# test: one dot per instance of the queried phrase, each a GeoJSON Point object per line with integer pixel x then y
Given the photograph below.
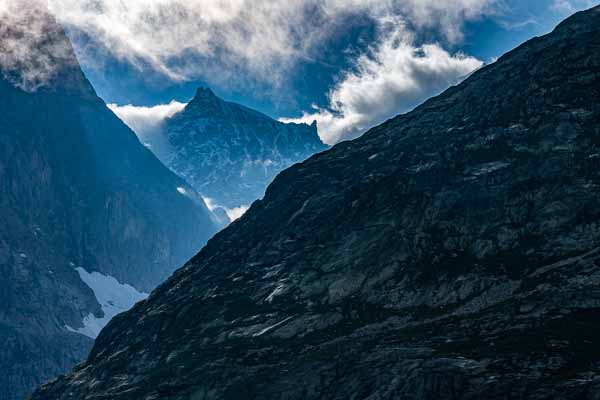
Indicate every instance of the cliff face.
{"type": "Point", "coordinates": [230, 153]}
{"type": "Point", "coordinates": [77, 190]}
{"type": "Point", "coordinates": [450, 253]}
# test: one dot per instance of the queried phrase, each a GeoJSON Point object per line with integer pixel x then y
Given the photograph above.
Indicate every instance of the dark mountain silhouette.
{"type": "Point", "coordinates": [450, 253]}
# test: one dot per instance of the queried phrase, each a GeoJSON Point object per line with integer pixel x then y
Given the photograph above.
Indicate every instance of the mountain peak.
{"type": "Point", "coordinates": [204, 93]}
{"type": "Point", "coordinates": [37, 53]}
{"type": "Point", "coordinates": [205, 102]}
{"type": "Point", "coordinates": [245, 146]}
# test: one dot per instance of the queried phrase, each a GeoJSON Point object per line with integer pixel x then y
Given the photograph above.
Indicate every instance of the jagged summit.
{"type": "Point", "coordinates": [204, 92]}
{"type": "Point", "coordinates": [206, 101]}
{"type": "Point", "coordinates": [229, 152]}
{"type": "Point", "coordinates": [446, 254]}
{"type": "Point", "coordinates": [206, 104]}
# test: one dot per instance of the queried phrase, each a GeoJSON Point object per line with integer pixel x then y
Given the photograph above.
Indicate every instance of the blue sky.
{"type": "Point", "coordinates": [349, 64]}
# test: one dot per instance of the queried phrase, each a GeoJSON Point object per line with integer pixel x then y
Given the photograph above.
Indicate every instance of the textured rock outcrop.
{"type": "Point", "coordinates": [77, 189]}
{"type": "Point", "coordinates": [228, 152]}
{"type": "Point", "coordinates": [451, 253]}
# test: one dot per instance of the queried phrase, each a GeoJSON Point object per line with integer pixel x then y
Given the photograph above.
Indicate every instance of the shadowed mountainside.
{"type": "Point", "coordinates": [450, 253]}
{"type": "Point", "coordinates": [77, 189]}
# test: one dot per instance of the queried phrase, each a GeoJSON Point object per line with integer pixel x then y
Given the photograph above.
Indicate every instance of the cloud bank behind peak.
{"type": "Point", "coordinates": [257, 47]}
{"type": "Point", "coordinates": [228, 42]}
{"type": "Point", "coordinates": [145, 121]}
{"type": "Point", "coordinates": [394, 77]}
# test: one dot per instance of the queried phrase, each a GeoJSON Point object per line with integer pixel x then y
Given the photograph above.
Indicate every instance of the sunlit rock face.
{"type": "Point", "coordinates": [228, 152]}
{"type": "Point", "coordinates": [450, 253]}
{"type": "Point", "coordinates": [77, 191]}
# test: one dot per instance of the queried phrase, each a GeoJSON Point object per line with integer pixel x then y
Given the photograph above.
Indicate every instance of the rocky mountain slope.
{"type": "Point", "coordinates": [228, 152]}
{"type": "Point", "coordinates": [79, 194]}
{"type": "Point", "coordinates": [451, 253]}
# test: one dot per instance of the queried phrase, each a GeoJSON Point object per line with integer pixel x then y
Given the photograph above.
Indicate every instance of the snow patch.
{"type": "Point", "coordinates": [114, 297]}
{"type": "Point", "coordinates": [236, 213]}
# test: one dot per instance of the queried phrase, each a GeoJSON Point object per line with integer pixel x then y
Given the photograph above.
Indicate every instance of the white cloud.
{"type": "Point", "coordinates": [220, 39]}
{"type": "Point", "coordinates": [146, 120]}
{"type": "Point", "coordinates": [392, 78]}
{"type": "Point", "coordinates": [257, 37]}
{"type": "Point", "coordinates": [265, 41]}
{"type": "Point", "coordinates": [32, 47]}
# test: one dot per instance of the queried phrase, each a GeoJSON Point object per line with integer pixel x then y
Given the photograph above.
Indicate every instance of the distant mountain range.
{"type": "Point", "coordinates": [90, 220]}
{"type": "Point", "coordinates": [230, 153]}
{"type": "Point", "coordinates": [452, 252]}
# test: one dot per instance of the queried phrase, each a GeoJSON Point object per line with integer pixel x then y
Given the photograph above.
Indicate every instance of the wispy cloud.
{"type": "Point", "coordinates": [221, 41]}
{"type": "Point", "coordinates": [217, 40]}
{"type": "Point", "coordinates": [33, 48]}
{"type": "Point", "coordinates": [186, 39]}
{"type": "Point", "coordinates": [393, 77]}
